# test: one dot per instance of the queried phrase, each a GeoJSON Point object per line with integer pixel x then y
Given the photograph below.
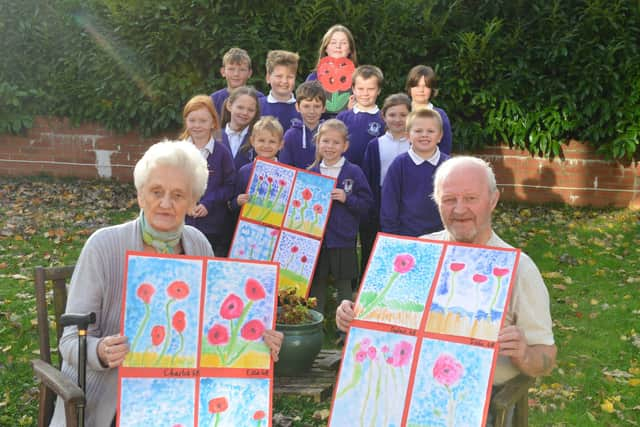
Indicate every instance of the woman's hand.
{"type": "Point", "coordinates": [242, 199]}
{"type": "Point", "coordinates": [112, 350]}
{"type": "Point", "coordinates": [273, 340]}
{"type": "Point", "coordinates": [345, 313]}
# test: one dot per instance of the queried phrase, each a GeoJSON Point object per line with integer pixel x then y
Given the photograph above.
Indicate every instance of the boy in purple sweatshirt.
{"type": "Point", "coordinates": [299, 146]}
{"type": "Point", "coordinates": [352, 199]}
{"type": "Point", "coordinates": [363, 121]}
{"type": "Point", "coordinates": [236, 70]}
{"type": "Point", "coordinates": [282, 67]}
{"type": "Point", "coordinates": [406, 206]}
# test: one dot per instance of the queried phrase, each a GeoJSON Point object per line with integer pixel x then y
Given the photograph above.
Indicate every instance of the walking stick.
{"type": "Point", "coordinates": [82, 322]}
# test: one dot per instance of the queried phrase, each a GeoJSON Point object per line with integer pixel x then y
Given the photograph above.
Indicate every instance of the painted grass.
{"type": "Point", "coordinates": [590, 259]}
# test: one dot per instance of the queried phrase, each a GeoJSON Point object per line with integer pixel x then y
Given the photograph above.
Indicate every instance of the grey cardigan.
{"type": "Point", "coordinates": [96, 286]}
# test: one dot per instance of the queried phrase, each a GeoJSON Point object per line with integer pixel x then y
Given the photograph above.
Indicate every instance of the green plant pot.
{"type": "Point", "coordinates": [301, 345]}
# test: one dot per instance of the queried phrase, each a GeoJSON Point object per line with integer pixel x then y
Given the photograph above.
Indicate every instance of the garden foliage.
{"type": "Point", "coordinates": [531, 73]}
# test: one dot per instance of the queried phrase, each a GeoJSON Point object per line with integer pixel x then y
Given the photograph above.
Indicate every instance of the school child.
{"type": "Point", "coordinates": [378, 156]}
{"type": "Point", "coordinates": [236, 70]}
{"type": "Point", "coordinates": [210, 215]}
{"type": "Point", "coordinates": [406, 206]}
{"type": "Point", "coordinates": [299, 149]}
{"type": "Point", "coordinates": [421, 86]}
{"type": "Point", "coordinates": [337, 42]}
{"type": "Point", "coordinates": [282, 67]}
{"type": "Point", "coordinates": [266, 140]}
{"type": "Point", "coordinates": [363, 120]}
{"type": "Point", "coordinates": [239, 112]}
{"type": "Point", "coordinates": [351, 200]}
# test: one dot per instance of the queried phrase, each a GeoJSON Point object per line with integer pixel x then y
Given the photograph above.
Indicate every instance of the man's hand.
{"type": "Point", "coordinates": [532, 360]}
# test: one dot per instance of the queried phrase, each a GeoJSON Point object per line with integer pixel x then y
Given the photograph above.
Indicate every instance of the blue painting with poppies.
{"type": "Point", "coordinates": [308, 209]}
{"type": "Point", "coordinates": [162, 307]}
{"type": "Point", "coordinates": [398, 279]}
{"type": "Point", "coordinates": [297, 255]}
{"type": "Point", "coordinates": [373, 379]}
{"type": "Point", "coordinates": [254, 241]}
{"type": "Point", "coordinates": [145, 401]}
{"type": "Point", "coordinates": [451, 385]}
{"type": "Point", "coordinates": [239, 305]}
{"type": "Point", "coordinates": [269, 190]}
{"type": "Point", "coordinates": [471, 292]}
{"type": "Point", "coordinates": [232, 402]}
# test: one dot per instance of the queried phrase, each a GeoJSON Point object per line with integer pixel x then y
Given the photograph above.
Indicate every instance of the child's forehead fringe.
{"type": "Point", "coordinates": [237, 60]}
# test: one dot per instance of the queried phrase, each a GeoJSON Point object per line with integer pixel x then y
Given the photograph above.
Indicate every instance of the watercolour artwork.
{"type": "Point", "coordinates": [296, 255]}
{"type": "Point", "coordinates": [268, 190]}
{"type": "Point", "coordinates": [195, 326]}
{"type": "Point", "coordinates": [397, 282]}
{"type": "Point", "coordinates": [231, 402]}
{"type": "Point", "coordinates": [433, 309]}
{"type": "Point", "coordinates": [247, 242]}
{"type": "Point", "coordinates": [471, 292]}
{"type": "Point", "coordinates": [162, 311]}
{"type": "Point", "coordinates": [309, 207]}
{"type": "Point", "coordinates": [375, 371]}
{"type": "Point", "coordinates": [239, 307]}
{"type": "Point", "coordinates": [452, 377]}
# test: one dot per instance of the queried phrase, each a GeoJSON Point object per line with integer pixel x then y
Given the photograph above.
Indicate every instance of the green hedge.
{"type": "Point", "coordinates": [532, 73]}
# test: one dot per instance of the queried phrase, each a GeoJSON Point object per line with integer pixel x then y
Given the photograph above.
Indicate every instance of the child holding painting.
{"type": "Point", "coordinates": [406, 206]}
{"type": "Point", "coordinates": [351, 200]}
{"type": "Point", "coordinates": [210, 215]}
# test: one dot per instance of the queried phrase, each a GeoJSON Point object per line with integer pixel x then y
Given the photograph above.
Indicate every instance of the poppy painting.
{"type": "Point", "coordinates": [335, 75]}
{"type": "Point", "coordinates": [308, 209]}
{"type": "Point", "coordinates": [231, 402]}
{"type": "Point", "coordinates": [297, 255]}
{"type": "Point", "coordinates": [254, 241]}
{"type": "Point", "coordinates": [161, 316]}
{"type": "Point", "coordinates": [239, 306]}
{"type": "Point", "coordinates": [144, 401]}
{"type": "Point", "coordinates": [471, 292]}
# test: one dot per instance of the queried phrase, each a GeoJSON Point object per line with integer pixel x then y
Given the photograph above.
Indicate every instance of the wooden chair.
{"type": "Point", "coordinates": [513, 394]}
{"type": "Point", "coordinates": [52, 382]}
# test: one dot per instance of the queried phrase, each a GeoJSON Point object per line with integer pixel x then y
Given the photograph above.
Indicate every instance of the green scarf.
{"type": "Point", "coordinates": [164, 242]}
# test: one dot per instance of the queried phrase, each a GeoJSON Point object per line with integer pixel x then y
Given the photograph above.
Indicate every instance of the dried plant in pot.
{"type": "Point", "coordinates": [302, 328]}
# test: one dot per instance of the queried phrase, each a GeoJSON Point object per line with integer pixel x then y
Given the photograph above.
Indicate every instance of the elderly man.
{"type": "Point", "coordinates": [466, 194]}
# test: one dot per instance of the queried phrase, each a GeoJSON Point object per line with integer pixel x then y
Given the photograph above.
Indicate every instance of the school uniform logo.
{"type": "Point", "coordinates": [374, 129]}
{"type": "Point", "coordinates": [347, 185]}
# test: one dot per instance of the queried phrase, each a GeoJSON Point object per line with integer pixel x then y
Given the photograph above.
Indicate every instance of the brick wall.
{"type": "Point", "coordinates": [56, 148]}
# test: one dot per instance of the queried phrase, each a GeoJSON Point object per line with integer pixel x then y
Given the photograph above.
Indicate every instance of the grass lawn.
{"type": "Point", "coordinates": [590, 260]}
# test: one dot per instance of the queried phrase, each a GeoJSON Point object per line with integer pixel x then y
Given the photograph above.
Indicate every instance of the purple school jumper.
{"type": "Point", "coordinates": [220, 187]}
{"type": "Point", "coordinates": [406, 206]}
{"type": "Point", "coordinates": [342, 226]}
{"type": "Point", "coordinates": [446, 143]}
{"type": "Point", "coordinates": [242, 157]}
{"type": "Point", "coordinates": [297, 152]}
{"type": "Point", "coordinates": [218, 97]}
{"type": "Point", "coordinates": [362, 128]}
{"type": "Point", "coordinates": [242, 179]}
{"type": "Point", "coordinates": [286, 113]}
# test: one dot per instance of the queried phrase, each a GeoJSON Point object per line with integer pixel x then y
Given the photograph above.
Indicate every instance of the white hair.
{"type": "Point", "coordinates": [455, 162]}
{"type": "Point", "coordinates": [180, 154]}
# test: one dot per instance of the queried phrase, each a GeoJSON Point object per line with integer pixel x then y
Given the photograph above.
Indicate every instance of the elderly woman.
{"type": "Point", "coordinates": [170, 178]}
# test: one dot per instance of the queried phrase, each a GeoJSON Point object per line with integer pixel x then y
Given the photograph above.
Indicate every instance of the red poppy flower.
{"type": "Point", "coordinates": [261, 177]}
{"type": "Point", "coordinates": [258, 415]}
{"type": "Point", "coordinates": [317, 209]}
{"type": "Point", "coordinates": [296, 203]}
{"type": "Point", "coordinates": [269, 179]}
{"type": "Point", "coordinates": [145, 292]}
{"type": "Point", "coordinates": [335, 73]}
{"type": "Point", "coordinates": [218, 335]}
{"type": "Point", "coordinates": [456, 266]}
{"type": "Point", "coordinates": [254, 290]}
{"type": "Point", "coordinates": [219, 404]}
{"type": "Point", "coordinates": [303, 259]}
{"type": "Point", "coordinates": [282, 182]}
{"type": "Point", "coordinates": [252, 330]}
{"type": "Point", "coordinates": [479, 278]}
{"type": "Point", "coordinates": [178, 290]}
{"type": "Point", "coordinates": [157, 335]}
{"type": "Point", "coordinates": [179, 321]}
{"type": "Point", "coordinates": [499, 272]}
{"type": "Point", "coordinates": [294, 249]}
{"type": "Point", "coordinates": [307, 194]}
{"type": "Point", "coordinates": [231, 307]}
{"type": "Point", "coordinates": [403, 263]}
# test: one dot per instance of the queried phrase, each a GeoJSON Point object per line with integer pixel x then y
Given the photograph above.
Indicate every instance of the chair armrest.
{"type": "Point", "coordinates": [512, 391]}
{"type": "Point", "coordinates": [59, 383]}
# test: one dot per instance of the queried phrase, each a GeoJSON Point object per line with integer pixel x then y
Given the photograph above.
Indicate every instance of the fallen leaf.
{"type": "Point", "coordinates": [607, 406]}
